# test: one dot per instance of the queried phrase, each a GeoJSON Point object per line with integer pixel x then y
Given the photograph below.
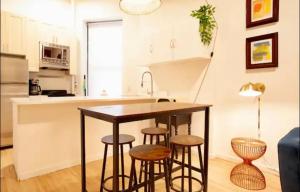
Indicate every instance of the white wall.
{"type": "Point", "coordinates": [237, 116]}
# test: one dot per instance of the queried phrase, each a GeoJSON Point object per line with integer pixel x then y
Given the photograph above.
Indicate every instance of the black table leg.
{"type": "Point", "coordinates": [169, 127]}
{"type": "Point", "coordinates": [116, 157]}
{"type": "Point", "coordinates": [83, 169]}
{"type": "Point", "coordinates": [206, 146]}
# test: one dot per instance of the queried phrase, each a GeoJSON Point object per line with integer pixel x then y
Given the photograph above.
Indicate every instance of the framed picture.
{"type": "Point", "coordinates": [260, 12]}
{"type": "Point", "coordinates": [262, 51]}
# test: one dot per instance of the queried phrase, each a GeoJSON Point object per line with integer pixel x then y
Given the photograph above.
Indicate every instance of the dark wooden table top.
{"type": "Point", "coordinates": [140, 111]}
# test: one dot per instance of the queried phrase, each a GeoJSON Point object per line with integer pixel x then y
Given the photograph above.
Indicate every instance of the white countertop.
{"type": "Point", "coordinates": [33, 100]}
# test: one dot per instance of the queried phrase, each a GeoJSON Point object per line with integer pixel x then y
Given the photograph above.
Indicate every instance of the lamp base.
{"type": "Point", "coordinates": [248, 177]}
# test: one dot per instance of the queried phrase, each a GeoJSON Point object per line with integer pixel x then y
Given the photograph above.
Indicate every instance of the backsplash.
{"type": "Point", "coordinates": [53, 79]}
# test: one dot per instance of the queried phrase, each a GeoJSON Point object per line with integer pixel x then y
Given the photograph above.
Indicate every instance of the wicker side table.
{"type": "Point", "coordinates": [246, 175]}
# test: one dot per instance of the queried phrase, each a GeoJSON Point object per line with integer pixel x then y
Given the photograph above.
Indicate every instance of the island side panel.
{"type": "Point", "coordinates": [47, 136]}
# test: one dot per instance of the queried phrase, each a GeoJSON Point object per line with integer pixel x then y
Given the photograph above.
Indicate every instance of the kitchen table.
{"type": "Point", "coordinates": [117, 114]}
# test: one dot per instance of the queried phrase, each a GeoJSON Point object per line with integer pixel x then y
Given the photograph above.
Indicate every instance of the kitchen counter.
{"type": "Point", "coordinates": [39, 100]}
{"type": "Point", "coordinates": [46, 131]}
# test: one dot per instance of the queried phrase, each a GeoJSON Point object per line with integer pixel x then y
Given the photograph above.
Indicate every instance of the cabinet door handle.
{"type": "Point", "coordinates": [150, 48]}
{"type": "Point", "coordinates": [172, 43]}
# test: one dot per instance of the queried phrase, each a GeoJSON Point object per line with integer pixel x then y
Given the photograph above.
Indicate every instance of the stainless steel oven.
{"type": "Point", "coordinates": [54, 56]}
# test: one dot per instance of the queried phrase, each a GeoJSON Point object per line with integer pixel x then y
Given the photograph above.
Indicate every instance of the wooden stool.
{"type": "Point", "coordinates": [157, 133]}
{"type": "Point", "coordinates": [187, 141]}
{"type": "Point", "coordinates": [108, 140]}
{"type": "Point", "coordinates": [149, 154]}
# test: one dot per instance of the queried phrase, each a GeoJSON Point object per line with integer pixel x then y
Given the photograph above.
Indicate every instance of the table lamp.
{"type": "Point", "coordinates": [254, 90]}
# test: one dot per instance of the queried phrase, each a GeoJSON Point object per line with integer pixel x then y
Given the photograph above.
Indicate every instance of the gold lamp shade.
{"type": "Point", "coordinates": [139, 7]}
{"type": "Point", "coordinates": [252, 89]}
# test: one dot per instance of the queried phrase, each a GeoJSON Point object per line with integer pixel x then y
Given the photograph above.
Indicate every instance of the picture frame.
{"type": "Point", "coordinates": [262, 51]}
{"type": "Point", "coordinates": [260, 12]}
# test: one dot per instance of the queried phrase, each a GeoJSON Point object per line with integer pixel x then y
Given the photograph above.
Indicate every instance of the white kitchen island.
{"type": "Point", "coordinates": [46, 132]}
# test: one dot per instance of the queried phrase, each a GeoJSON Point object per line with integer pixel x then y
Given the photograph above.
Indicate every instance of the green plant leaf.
{"type": "Point", "coordinates": [207, 23]}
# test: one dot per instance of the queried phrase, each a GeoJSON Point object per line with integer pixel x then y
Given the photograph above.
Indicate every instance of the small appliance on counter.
{"type": "Point", "coordinates": [34, 87]}
{"type": "Point", "coordinates": [57, 93]}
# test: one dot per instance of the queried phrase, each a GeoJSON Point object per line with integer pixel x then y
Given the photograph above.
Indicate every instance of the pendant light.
{"type": "Point", "coordinates": [139, 7]}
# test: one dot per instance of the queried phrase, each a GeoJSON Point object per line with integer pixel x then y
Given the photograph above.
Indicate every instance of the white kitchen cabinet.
{"type": "Point", "coordinates": [53, 34]}
{"type": "Point", "coordinates": [171, 40]}
{"type": "Point", "coordinates": [73, 56]}
{"type": "Point", "coordinates": [32, 44]}
{"type": "Point", "coordinates": [155, 44]}
{"type": "Point", "coordinates": [15, 34]}
{"type": "Point", "coordinates": [12, 33]}
{"type": "Point", "coordinates": [62, 36]}
{"type": "Point", "coordinates": [4, 32]}
{"type": "Point", "coordinates": [161, 44]}
{"type": "Point", "coordinates": [174, 43]}
{"type": "Point", "coordinates": [45, 32]}
{"type": "Point", "coordinates": [21, 35]}
{"type": "Point", "coordinates": [187, 41]}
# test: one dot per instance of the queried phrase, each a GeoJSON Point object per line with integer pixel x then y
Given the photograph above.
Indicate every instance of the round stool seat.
{"type": "Point", "coordinates": [186, 140]}
{"type": "Point", "coordinates": [123, 139]}
{"type": "Point", "coordinates": [154, 131]}
{"type": "Point", "coordinates": [149, 152]}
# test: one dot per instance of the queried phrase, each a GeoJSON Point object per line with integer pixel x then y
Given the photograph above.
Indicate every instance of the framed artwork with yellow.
{"type": "Point", "coordinates": [262, 51]}
{"type": "Point", "coordinates": [260, 12]}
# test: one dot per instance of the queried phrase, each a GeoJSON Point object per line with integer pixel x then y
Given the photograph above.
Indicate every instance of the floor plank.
{"type": "Point", "coordinates": [68, 180]}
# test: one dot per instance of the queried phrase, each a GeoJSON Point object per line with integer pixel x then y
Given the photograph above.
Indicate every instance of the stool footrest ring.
{"type": "Point", "coordinates": [186, 176]}
{"type": "Point", "coordinates": [111, 177]}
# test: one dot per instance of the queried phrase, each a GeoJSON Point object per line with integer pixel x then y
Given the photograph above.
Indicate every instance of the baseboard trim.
{"type": "Point", "coordinates": [6, 147]}
{"type": "Point", "coordinates": [60, 166]}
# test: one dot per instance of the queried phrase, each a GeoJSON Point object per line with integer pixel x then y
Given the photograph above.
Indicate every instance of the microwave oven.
{"type": "Point", "coordinates": [54, 56]}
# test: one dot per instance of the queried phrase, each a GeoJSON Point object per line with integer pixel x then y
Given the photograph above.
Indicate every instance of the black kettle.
{"type": "Point", "coordinates": [34, 87]}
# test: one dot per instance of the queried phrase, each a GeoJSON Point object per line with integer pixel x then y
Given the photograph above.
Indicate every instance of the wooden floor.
{"type": "Point", "coordinates": [68, 180]}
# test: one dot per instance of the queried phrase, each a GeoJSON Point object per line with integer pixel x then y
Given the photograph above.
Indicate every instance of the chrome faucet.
{"type": "Point", "coordinates": [142, 83]}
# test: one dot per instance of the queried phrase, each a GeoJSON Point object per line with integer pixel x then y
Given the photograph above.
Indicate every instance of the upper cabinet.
{"type": "Point", "coordinates": [175, 37]}
{"type": "Point", "coordinates": [53, 34]}
{"type": "Point", "coordinates": [45, 33]}
{"type": "Point", "coordinates": [32, 49]}
{"type": "Point", "coordinates": [4, 32]}
{"type": "Point", "coordinates": [63, 36]}
{"type": "Point", "coordinates": [21, 35]}
{"type": "Point", "coordinates": [173, 42]}
{"type": "Point", "coordinates": [73, 57]}
{"type": "Point", "coordinates": [12, 31]}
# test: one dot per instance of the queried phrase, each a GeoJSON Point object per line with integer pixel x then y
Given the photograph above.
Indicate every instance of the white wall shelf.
{"type": "Point", "coordinates": [178, 76]}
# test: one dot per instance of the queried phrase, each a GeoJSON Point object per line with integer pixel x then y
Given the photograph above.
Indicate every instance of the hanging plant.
{"type": "Point", "coordinates": [207, 22]}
